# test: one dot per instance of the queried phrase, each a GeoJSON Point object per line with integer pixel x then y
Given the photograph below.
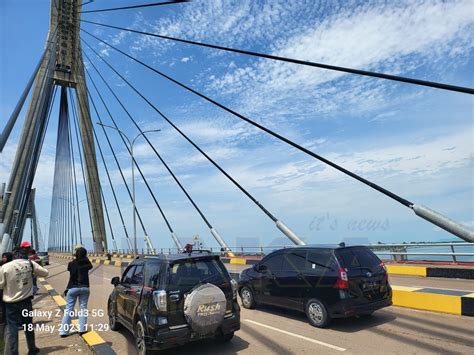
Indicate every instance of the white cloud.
{"type": "Point", "coordinates": [393, 38]}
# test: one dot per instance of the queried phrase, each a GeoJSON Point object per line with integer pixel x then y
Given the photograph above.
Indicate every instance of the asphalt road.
{"type": "Point", "coordinates": [269, 330]}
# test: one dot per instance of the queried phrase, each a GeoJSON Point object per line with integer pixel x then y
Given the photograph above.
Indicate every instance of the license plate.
{"type": "Point", "coordinates": [370, 285]}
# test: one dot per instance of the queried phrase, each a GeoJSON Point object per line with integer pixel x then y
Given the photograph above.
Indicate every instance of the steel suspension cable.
{"type": "Point", "coordinates": [108, 176]}
{"type": "Point", "coordinates": [285, 229]}
{"type": "Point", "coordinates": [117, 162]}
{"type": "Point", "coordinates": [136, 6]}
{"type": "Point", "coordinates": [75, 177]}
{"type": "Point", "coordinates": [75, 192]}
{"type": "Point", "coordinates": [272, 133]}
{"type": "Point", "coordinates": [108, 219]}
{"type": "Point", "coordinates": [111, 185]}
{"type": "Point", "coordinates": [212, 229]}
{"type": "Point", "coordinates": [128, 149]}
{"type": "Point", "coordinates": [240, 187]}
{"type": "Point", "coordinates": [79, 151]}
{"type": "Point", "coordinates": [398, 78]}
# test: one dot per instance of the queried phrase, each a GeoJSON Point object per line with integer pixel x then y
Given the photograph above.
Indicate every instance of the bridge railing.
{"type": "Point", "coordinates": [455, 252]}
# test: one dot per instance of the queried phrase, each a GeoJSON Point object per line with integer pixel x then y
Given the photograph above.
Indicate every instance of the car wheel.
{"type": "Point", "coordinates": [317, 313]}
{"type": "Point", "coordinates": [113, 323]}
{"type": "Point", "coordinates": [140, 339]}
{"type": "Point", "coordinates": [248, 300]}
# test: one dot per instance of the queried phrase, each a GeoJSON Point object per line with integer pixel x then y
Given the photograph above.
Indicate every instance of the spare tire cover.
{"type": "Point", "coordinates": [204, 308]}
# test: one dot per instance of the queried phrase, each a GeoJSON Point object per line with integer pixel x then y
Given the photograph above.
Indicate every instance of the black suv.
{"type": "Point", "coordinates": [325, 282]}
{"type": "Point", "coordinates": [169, 300]}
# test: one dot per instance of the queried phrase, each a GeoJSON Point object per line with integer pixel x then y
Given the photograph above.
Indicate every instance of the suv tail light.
{"type": "Point", "coordinates": [234, 285]}
{"type": "Point", "coordinates": [383, 266]}
{"type": "Point", "coordinates": [342, 280]}
{"type": "Point", "coordinates": [159, 297]}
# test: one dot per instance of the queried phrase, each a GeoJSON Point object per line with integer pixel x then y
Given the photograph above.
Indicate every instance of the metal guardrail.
{"type": "Point", "coordinates": [396, 251]}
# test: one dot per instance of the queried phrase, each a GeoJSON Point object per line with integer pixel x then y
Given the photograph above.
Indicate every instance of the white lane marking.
{"type": "Point", "coordinates": [296, 335]}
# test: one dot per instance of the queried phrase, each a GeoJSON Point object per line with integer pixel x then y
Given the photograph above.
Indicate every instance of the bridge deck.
{"type": "Point", "coordinates": [270, 330]}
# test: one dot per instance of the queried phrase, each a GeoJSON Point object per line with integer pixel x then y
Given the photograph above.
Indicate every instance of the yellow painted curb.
{"type": "Point", "coordinates": [238, 261]}
{"type": "Point", "coordinates": [97, 261]}
{"type": "Point", "coordinates": [118, 263]}
{"type": "Point", "coordinates": [92, 338]}
{"type": "Point", "coordinates": [59, 300]}
{"type": "Point", "coordinates": [48, 287]}
{"type": "Point", "coordinates": [407, 270]}
{"type": "Point", "coordinates": [106, 262]}
{"type": "Point", "coordinates": [426, 301]}
{"type": "Point", "coordinates": [405, 288]}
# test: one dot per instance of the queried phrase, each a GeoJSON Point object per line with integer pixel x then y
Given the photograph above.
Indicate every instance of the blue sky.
{"type": "Point", "coordinates": [415, 141]}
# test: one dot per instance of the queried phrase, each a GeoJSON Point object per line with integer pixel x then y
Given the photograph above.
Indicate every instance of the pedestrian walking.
{"type": "Point", "coordinates": [77, 288]}
{"type": "Point", "coordinates": [16, 280]}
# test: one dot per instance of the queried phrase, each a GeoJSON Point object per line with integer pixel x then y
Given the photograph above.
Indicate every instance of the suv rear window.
{"type": "Point", "coordinates": [185, 274]}
{"type": "Point", "coordinates": [356, 258]}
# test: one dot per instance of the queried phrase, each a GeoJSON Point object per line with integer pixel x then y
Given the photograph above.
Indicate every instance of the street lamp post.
{"type": "Point", "coordinates": [131, 144]}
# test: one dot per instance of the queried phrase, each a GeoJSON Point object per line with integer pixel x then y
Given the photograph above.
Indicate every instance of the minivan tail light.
{"type": "Point", "coordinates": [159, 297]}
{"type": "Point", "coordinates": [342, 279]}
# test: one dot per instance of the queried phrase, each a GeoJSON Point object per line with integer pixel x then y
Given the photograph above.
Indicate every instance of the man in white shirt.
{"type": "Point", "coordinates": [16, 280]}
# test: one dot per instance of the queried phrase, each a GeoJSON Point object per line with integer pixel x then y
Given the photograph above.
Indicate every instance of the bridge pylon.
{"type": "Point", "coordinates": [61, 65]}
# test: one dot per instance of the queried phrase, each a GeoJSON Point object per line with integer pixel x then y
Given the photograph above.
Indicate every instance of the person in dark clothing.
{"type": "Point", "coordinates": [77, 288]}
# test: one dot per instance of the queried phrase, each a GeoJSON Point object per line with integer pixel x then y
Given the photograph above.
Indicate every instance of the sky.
{"type": "Point", "coordinates": [412, 140]}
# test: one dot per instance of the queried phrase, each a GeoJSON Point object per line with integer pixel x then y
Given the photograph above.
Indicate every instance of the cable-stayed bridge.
{"type": "Point", "coordinates": [68, 77]}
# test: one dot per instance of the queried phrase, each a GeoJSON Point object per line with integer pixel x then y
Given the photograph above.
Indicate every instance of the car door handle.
{"type": "Point", "coordinates": [174, 298]}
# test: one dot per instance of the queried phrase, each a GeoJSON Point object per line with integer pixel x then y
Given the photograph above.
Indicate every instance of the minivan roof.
{"type": "Point", "coordinates": [321, 246]}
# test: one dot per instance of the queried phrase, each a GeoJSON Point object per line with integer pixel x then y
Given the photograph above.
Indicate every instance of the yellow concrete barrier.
{"type": "Point", "coordinates": [406, 270]}
{"type": "Point", "coordinates": [92, 338]}
{"type": "Point", "coordinates": [59, 300]}
{"type": "Point", "coordinates": [238, 261]}
{"type": "Point", "coordinates": [407, 297]}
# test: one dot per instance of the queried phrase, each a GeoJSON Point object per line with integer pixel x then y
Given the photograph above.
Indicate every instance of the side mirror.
{"type": "Point", "coordinates": [262, 268]}
{"type": "Point", "coordinates": [115, 281]}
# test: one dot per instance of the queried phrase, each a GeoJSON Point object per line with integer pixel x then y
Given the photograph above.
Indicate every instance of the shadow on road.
{"type": "Point", "coordinates": [206, 346]}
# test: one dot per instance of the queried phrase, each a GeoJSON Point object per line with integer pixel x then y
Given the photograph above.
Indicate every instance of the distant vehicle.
{"type": "Point", "coordinates": [323, 282]}
{"type": "Point", "coordinates": [44, 257]}
{"type": "Point", "coordinates": [170, 300]}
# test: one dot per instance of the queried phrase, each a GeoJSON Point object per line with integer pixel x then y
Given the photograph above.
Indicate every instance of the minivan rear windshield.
{"type": "Point", "coordinates": [185, 274]}
{"type": "Point", "coordinates": [358, 257]}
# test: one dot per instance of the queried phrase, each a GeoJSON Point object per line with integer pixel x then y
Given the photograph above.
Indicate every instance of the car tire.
{"type": "Point", "coordinates": [247, 297]}
{"type": "Point", "coordinates": [317, 313]}
{"type": "Point", "coordinates": [113, 323]}
{"type": "Point", "coordinates": [140, 339]}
